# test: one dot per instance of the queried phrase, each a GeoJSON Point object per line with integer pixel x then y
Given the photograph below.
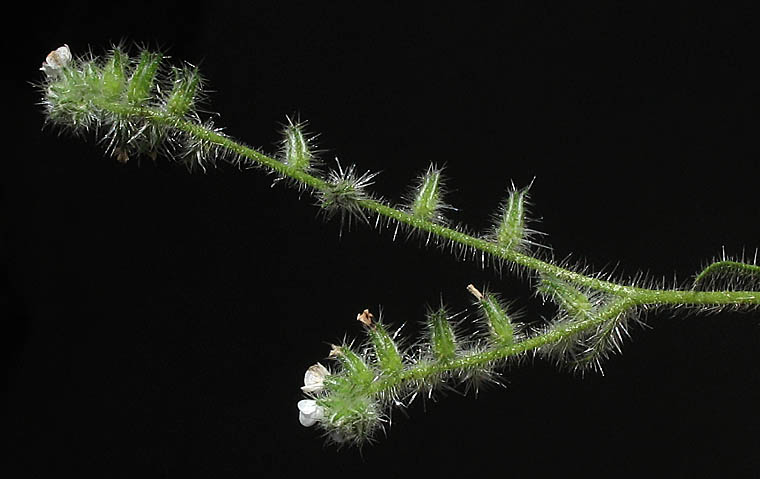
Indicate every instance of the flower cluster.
{"type": "Point", "coordinates": [309, 412]}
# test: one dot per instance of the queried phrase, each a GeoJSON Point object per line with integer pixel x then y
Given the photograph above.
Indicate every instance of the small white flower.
{"type": "Point", "coordinates": [309, 412]}
{"type": "Point", "coordinates": [314, 379]}
{"type": "Point", "coordinates": [56, 60]}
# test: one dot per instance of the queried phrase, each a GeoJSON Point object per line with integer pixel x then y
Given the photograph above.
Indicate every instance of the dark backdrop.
{"type": "Point", "coordinates": [158, 323]}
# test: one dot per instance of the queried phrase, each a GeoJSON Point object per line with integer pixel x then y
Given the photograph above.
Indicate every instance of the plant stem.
{"type": "Point", "coordinates": [641, 296]}
{"type": "Point", "coordinates": [425, 370]}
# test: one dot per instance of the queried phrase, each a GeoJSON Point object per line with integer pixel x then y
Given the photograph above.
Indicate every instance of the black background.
{"type": "Point", "coordinates": [159, 323]}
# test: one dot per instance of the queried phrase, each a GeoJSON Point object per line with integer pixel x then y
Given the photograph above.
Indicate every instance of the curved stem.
{"type": "Point", "coordinates": [735, 267]}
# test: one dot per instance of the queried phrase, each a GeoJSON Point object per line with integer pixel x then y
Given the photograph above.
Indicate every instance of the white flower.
{"type": "Point", "coordinates": [309, 412]}
{"type": "Point", "coordinates": [314, 379]}
{"type": "Point", "coordinates": [56, 60]}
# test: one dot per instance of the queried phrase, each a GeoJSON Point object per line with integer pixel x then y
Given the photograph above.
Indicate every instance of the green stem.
{"type": "Point", "coordinates": [639, 295]}
{"type": "Point", "coordinates": [679, 297]}
{"type": "Point", "coordinates": [734, 267]}
{"type": "Point", "coordinates": [425, 370]}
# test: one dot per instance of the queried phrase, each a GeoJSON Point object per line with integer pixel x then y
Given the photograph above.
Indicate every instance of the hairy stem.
{"type": "Point", "coordinates": [731, 267]}
{"type": "Point", "coordinates": [641, 295]}
{"type": "Point", "coordinates": [425, 370]}
{"type": "Point", "coordinates": [138, 110]}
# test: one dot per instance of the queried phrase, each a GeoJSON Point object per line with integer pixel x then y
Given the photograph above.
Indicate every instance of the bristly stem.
{"type": "Point", "coordinates": [641, 295]}
{"type": "Point", "coordinates": [122, 99]}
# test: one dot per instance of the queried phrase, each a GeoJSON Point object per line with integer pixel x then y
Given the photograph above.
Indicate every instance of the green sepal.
{"type": "Point", "coordinates": [69, 96]}
{"type": "Point", "coordinates": [114, 75]}
{"type": "Point", "coordinates": [442, 338]}
{"type": "Point", "coordinates": [388, 357]}
{"type": "Point", "coordinates": [352, 418]}
{"type": "Point", "coordinates": [574, 302]}
{"type": "Point", "coordinates": [501, 328]}
{"type": "Point", "coordinates": [181, 99]}
{"type": "Point", "coordinates": [511, 232]}
{"type": "Point", "coordinates": [295, 147]}
{"type": "Point", "coordinates": [351, 414]}
{"type": "Point", "coordinates": [141, 82]}
{"type": "Point", "coordinates": [355, 368]}
{"type": "Point", "coordinates": [426, 201]}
